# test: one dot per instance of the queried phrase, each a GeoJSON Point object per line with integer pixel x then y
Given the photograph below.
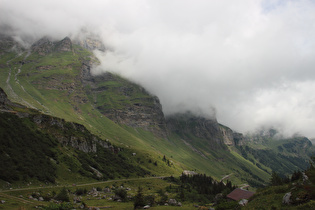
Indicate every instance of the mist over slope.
{"type": "Point", "coordinates": [55, 77]}
{"type": "Point", "coordinates": [249, 63]}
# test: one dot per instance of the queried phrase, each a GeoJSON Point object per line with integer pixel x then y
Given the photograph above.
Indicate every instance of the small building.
{"type": "Point", "coordinates": [239, 194]}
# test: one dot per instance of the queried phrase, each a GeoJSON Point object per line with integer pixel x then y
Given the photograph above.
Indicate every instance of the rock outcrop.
{"type": "Point", "coordinates": [188, 126]}
{"type": "Point", "coordinates": [68, 133]}
{"type": "Point", "coordinates": [230, 137]}
{"type": "Point", "coordinates": [43, 46]}
{"type": "Point", "coordinates": [74, 135]}
{"type": "Point", "coordinates": [124, 102]}
{"type": "Point", "coordinates": [64, 45]}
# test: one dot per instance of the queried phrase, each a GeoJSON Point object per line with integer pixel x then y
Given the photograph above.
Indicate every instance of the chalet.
{"type": "Point", "coordinates": [239, 194]}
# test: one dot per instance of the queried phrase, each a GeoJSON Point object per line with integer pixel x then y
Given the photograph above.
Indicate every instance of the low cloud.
{"type": "Point", "coordinates": [250, 62]}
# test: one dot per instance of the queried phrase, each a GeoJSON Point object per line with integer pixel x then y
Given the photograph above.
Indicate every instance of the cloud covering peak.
{"type": "Point", "coordinates": [250, 61]}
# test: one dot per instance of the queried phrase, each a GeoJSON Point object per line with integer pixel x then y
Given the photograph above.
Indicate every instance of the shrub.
{"type": "Point", "coordinates": [63, 195]}
{"type": "Point", "coordinates": [81, 191]}
{"type": "Point", "coordinates": [122, 193]}
{"type": "Point", "coordinates": [139, 199]}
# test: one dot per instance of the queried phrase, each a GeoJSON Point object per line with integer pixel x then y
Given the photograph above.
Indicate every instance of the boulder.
{"type": "Point", "coordinates": [243, 202]}
{"type": "Point", "coordinates": [287, 198]}
{"type": "Point", "coordinates": [172, 202]}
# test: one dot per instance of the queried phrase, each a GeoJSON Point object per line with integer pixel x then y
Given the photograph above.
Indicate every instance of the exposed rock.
{"type": "Point", "coordinates": [189, 173]}
{"type": "Point", "coordinates": [227, 135]}
{"type": "Point", "coordinates": [107, 190]}
{"type": "Point", "coordinates": [305, 177]}
{"type": "Point", "coordinates": [96, 172]}
{"type": "Point", "coordinates": [85, 143]}
{"type": "Point", "coordinates": [188, 124]}
{"type": "Point", "coordinates": [64, 45]}
{"type": "Point", "coordinates": [91, 43]}
{"type": "Point", "coordinates": [146, 207]}
{"type": "Point", "coordinates": [287, 198]}
{"type": "Point", "coordinates": [131, 104]}
{"type": "Point", "coordinates": [43, 46]}
{"type": "Point", "coordinates": [172, 202]}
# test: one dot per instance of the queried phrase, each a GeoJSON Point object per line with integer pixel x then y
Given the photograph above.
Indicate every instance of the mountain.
{"type": "Point", "coordinates": [55, 78]}
{"type": "Point", "coordinates": [39, 147]}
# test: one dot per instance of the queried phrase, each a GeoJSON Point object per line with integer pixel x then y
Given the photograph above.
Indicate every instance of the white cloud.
{"type": "Point", "coordinates": [251, 60]}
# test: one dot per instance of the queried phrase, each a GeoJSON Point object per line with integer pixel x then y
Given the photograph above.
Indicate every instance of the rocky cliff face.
{"type": "Point", "coordinates": [67, 133]}
{"type": "Point", "coordinates": [230, 137]}
{"type": "Point", "coordinates": [124, 102]}
{"type": "Point", "coordinates": [188, 127]}
{"type": "Point", "coordinates": [120, 100]}
{"type": "Point", "coordinates": [45, 46]}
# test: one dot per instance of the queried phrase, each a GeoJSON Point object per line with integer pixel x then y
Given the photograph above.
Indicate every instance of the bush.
{"type": "Point", "coordinates": [81, 191]}
{"type": "Point", "coordinates": [63, 195]}
{"type": "Point", "coordinates": [228, 205]}
{"type": "Point", "coordinates": [122, 193]}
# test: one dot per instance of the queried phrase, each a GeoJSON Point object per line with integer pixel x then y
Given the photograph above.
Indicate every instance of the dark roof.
{"type": "Point", "coordinates": [239, 194]}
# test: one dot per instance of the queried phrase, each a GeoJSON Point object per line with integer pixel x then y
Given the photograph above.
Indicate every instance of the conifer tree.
{"type": "Point", "coordinates": [139, 199]}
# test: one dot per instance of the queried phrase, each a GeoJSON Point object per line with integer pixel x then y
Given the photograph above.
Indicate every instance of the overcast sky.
{"type": "Point", "coordinates": [251, 62]}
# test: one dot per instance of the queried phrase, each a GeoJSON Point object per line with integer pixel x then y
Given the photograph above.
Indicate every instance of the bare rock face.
{"type": "Point", "coordinates": [230, 137]}
{"type": "Point", "coordinates": [82, 139]}
{"type": "Point", "coordinates": [287, 198]}
{"type": "Point", "coordinates": [227, 135]}
{"type": "Point", "coordinates": [43, 46]}
{"type": "Point", "coordinates": [187, 125]}
{"type": "Point", "coordinates": [64, 45]}
{"type": "Point", "coordinates": [125, 102]}
{"type": "Point", "coordinates": [90, 43]}
{"type": "Point", "coordinates": [89, 40]}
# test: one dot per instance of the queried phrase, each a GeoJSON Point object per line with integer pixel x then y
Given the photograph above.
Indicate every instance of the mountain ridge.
{"type": "Point", "coordinates": [56, 79]}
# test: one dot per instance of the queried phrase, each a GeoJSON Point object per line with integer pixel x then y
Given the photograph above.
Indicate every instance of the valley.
{"type": "Point", "coordinates": [62, 125]}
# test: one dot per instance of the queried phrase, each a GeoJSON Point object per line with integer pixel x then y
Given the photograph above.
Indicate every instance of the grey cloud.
{"type": "Point", "coordinates": [251, 61]}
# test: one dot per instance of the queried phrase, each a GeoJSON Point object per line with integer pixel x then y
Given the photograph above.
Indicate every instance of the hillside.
{"type": "Point", "coordinates": [54, 78]}
{"type": "Point", "coordinates": [37, 147]}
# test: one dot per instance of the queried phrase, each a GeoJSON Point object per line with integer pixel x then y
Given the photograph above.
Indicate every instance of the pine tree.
{"type": "Point", "coordinates": [275, 179]}
{"type": "Point", "coordinates": [139, 199]}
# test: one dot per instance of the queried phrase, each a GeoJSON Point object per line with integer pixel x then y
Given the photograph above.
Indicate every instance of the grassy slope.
{"type": "Point", "coordinates": [283, 156]}
{"type": "Point", "coordinates": [59, 102]}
